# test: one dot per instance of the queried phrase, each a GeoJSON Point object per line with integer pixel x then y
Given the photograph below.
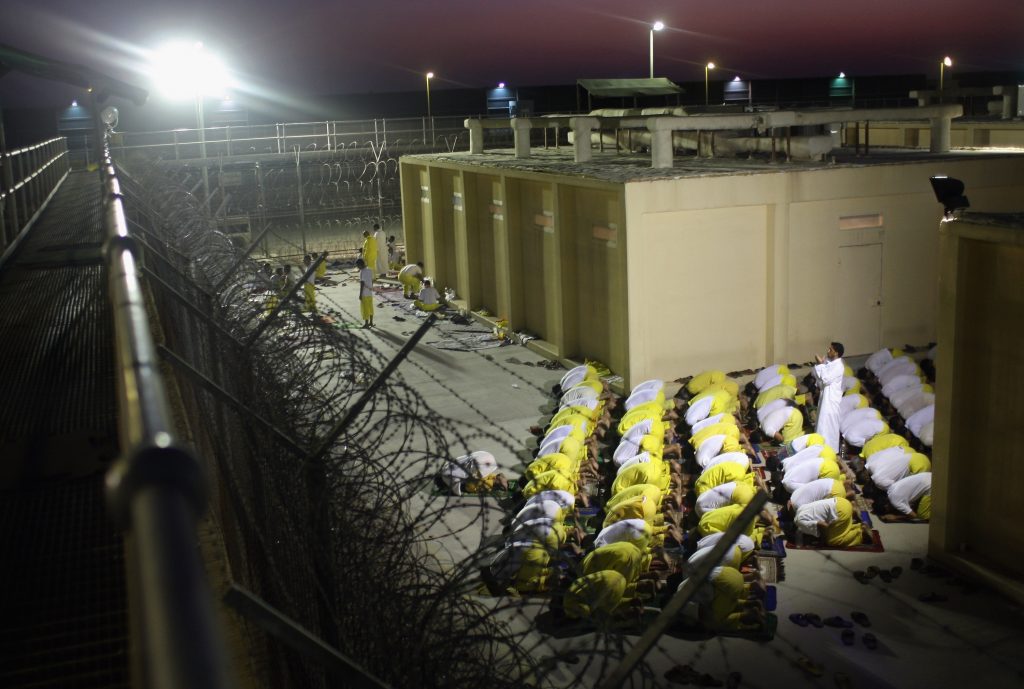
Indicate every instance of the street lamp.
{"type": "Point", "coordinates": [429, 76]}
{"type": "Point", "coordinates": [657, 26]}
{"type": "Point", "coordinates": [187, 70]}
{"type": "Point", "coordinates": [946, 62]}
{"type": "Point", "coordinates": [708, 67]}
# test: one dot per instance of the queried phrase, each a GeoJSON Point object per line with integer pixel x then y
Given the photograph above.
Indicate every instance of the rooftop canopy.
{"type": "Point", "coordinates": [628, 88]}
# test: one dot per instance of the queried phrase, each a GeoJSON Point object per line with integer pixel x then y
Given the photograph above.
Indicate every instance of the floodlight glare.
{"type": "Point", "coordinates": [501, 84]}
{"type": "Point", "coordinates": [187, 70]}
{"type": "Point", "coordinates": [658, 26]}
{"type": "Point", "coordinates": [842, 75]}
{"type": "Point", "coordinates": [109, 116]}
{"type": "Point", "coordinates": [948, 61]}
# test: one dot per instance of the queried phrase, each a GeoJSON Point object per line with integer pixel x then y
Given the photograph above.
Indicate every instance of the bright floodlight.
{"type": "Point", "coordinates": [658, 26]}
{"type": "Point", "coordinates": [711, 65]}
{"type": "Point", "coordinates": [186, 70]}
{"type": "Point", "coordinates": [736, 78]}
{"type": "Point", "coordinates": [430, 75]}
{"type": "Point", "coordinates": [948, 61]}
{"type": "Point", "coordinates": [842, 75]}
{"type": "Point", "coordinates": [501, 84]}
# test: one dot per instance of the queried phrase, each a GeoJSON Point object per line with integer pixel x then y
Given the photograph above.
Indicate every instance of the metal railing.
{"type": "Point", "coordinates": [420, 134]}
{"type": "Point", "coordinates": [156, 491]}
{"type": "Point", "coordinates": [29, 177]}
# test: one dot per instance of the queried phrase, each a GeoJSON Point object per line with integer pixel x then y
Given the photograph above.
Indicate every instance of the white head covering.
{"type": "Point", "coordinates": [475, 465]}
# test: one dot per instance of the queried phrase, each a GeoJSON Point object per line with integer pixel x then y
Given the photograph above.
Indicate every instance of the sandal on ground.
{"type": "Point", "coordinates": [809, 666]}
{"type": "Point", "coordinates": [848, 637]}
{"type": "Point", "coordinates": [814, 620]}
{"type": "Point", "coordinates": [870, 641]}
{"type": "Point", "coordinates": [799, 619]}
{"type": "Point", "coordinates": [838, 622]}
{"type": "Point", "coordinates": [860, 618]}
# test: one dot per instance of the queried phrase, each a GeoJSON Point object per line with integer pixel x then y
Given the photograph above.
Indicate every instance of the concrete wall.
{"type": "Point", "coordinates": [664, 278]}
{"type": "Point", "coordinates": [541, 252]}
{"type": "Point", "coordinates": [978, 466]}
{"type": "Point", "coordinates": [738, 271]}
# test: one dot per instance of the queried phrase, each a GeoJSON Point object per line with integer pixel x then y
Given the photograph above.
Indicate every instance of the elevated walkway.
{"type": "Point", "coordinates": [64, 608]}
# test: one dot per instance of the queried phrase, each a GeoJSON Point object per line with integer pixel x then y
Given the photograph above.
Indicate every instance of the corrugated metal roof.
{"type": "Point", "coordinates": [625, 88]}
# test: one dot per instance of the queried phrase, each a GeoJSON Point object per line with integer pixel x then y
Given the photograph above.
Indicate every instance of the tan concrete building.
{"type": "Point", "coordinates": [978, 467]}
{"type": "Point", "coordinates": [712, 262]}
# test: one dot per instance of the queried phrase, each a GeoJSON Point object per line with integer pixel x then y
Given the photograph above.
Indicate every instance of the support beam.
{"type": "Point", "coordinates": [521, 135]}
{"type": "Point", "coordinates": [582, 128]}
{"type": "Point", "coordinates": [940, 135]}
{"type": "Point", "coordinates": [476, 135]}
{"type": "Point", "coordinates": [661, 142]}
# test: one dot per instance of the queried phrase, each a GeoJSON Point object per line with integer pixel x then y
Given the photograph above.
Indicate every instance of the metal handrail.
{"type": "Point", "coordinates": [29, 176]}
{"type": "Point", "coordinates": [155, 490]}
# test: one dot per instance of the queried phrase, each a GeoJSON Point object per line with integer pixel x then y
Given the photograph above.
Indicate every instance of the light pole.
{"type": "Point", "coordinates": [188, 70]}
{"type": "Point", "coordinates": [429, 76]}
{"type": "Point", "coordinates": [657, 26]}
{"type": "Point", "coordinates": [946, 62]}
{"type": "Point", "coordinates": [709, 66]}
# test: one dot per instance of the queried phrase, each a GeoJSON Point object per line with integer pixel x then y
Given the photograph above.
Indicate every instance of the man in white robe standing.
{"type": "Point", "coordinates": [829, 372]}
{"type": "Point", "coordinates": [381, 267]}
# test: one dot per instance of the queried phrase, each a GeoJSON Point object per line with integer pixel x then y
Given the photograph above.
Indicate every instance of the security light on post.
{"type": "Point", "coordinates": [657, 26]}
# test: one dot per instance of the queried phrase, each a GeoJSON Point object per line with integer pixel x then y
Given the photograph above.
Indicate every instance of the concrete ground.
{"type": "Point", "coordinates": [972, 637]}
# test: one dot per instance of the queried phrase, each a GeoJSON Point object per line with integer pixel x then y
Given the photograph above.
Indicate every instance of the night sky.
{"type": "Point", "coordinates": [306, 48]}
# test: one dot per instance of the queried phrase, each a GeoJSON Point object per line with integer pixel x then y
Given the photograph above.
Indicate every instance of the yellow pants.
{"type": "Point", "coordinates": [272, 302]}
{"type": "Point", "coordinates": [310, 292]}
{"type": "Point", "coordinates": [426, 307]}
{"type": "Point", "coordinates": [410, 285]}
{"type": "Point", "coordinates": [366, 308]}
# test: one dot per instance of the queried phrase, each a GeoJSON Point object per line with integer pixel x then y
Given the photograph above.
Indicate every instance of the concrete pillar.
{"type": "Point", "coordinates": [661, 142]}
{"type": "Point", "coordinates": [476, 135]}
{"type": "Point", "coordinates": [581, 128]}
{"type": "Point", "coordinates": [940, 136]}
{"type": "Point", "coordinates": [521, 132]}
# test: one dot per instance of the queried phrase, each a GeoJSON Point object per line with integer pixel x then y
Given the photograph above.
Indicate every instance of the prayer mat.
{"type": "Point", "coordinates": [765, 633]}
{"type": "Point", "coordinates": [467, 344]}
{"type": "Point", "coordinates": [895, 519]}
{"type": "Point", "coordinates": [769, 568]}
{"type": "Point", "coordinates": [772, 547]}
{"type": "Point", "coordinates": [874, 547]}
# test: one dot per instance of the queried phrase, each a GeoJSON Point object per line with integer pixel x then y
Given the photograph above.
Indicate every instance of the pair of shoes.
{"type": "Point", "coordinates": [809, 666]}
{"type": "Point", "coordinates": [804, 619]}
{"type": "Point", "coordinates": [838, 622]}
{"type": "Point", "coordinates": [684, 674]}
{"type": "Point", "coordinates": [861, 619]}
